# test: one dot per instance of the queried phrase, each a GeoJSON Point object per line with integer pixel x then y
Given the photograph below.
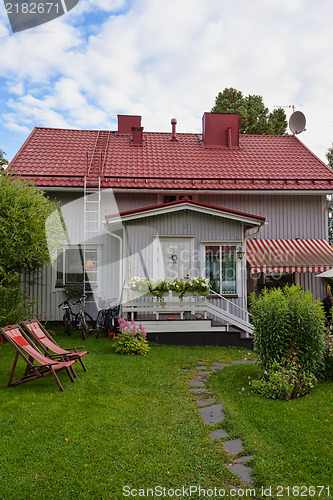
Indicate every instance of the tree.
{"type": "Point", "coordinates": [3, 162]}
{"type": "Point", "coordinates": [254, 117]}
{"type": "Point", "coordinates": [23, 213]}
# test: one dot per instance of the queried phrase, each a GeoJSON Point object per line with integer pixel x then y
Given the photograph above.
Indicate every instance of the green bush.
{"type": "Point", "coordinates": [15, 305]}
{"type": "Point", "coordinates": [288, 319]}
{"type": "Point", "coordinates": [328, 360]}
{"type": "Point", "coordinates": [289, 337]}
{"type": "Point", "coordinates": [284, 381]}
{"type": "Point", "coordinates": [131, 338]}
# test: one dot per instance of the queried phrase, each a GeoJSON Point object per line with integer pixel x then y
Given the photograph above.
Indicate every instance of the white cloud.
{"type": "Point", "coordinates": [165, 59]}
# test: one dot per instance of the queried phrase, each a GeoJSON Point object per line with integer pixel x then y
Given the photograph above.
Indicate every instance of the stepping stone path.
{"type": "Point", "coordinates": [212, 413]}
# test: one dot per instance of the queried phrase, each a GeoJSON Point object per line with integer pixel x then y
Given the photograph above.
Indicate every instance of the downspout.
{"type": "Point", "coordinates": [119, 238]}
{"type": "Point", "coordinates": [326, 221]}
{"type": "Point", "coordinates": [250, 236]}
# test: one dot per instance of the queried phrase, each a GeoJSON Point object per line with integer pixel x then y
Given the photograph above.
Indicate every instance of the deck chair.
{"type": "Point", "coordinates": [46, 342]}
{"type": "Point", "coordinates": [29, 353]}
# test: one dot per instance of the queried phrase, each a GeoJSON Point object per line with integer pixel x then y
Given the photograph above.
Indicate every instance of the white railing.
{"type": "Point", "coordinates": [204, 307]}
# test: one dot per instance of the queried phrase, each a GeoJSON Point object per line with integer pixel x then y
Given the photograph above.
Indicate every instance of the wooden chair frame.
{"type": "Point", "coordinates": [48, 345]}
{"type": "Point", "coordinates": [29, 353]}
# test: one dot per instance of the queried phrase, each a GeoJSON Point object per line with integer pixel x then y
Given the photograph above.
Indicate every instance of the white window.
{"type": "Point", "coordinates": [73, 263]}
{"type": "Point", "coordinates": [221, 268]}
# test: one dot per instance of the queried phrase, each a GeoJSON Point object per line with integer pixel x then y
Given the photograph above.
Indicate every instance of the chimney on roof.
{"type": "Point", "coordinates": [137, 136]}
{"type": "Point", "coordinates": [173, 133]}
{"type": "Point", "coordinates": [126, 122]}
{"type": "Point", "coordinates": [220, 130]}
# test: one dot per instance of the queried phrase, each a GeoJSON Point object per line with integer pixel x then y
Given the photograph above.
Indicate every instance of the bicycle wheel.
{"type": "Point", "coordinates": [99, 323]}
{"type": "Point", "coordinates": [83, 327]}
{"type": "Point", "coordinates": [67, 323]}
{"type": "Point", "coordinates": [89, 321]}
{"type": "Point", "coordinates": [107, 324]}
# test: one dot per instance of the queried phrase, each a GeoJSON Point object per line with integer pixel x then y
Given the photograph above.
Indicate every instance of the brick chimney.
{"type": "Point", "coordinates": [137, 136]}
{"type": "Point", "coordinates": [220, 130]}
{"type": "Point", "coordinates": [126, 122]}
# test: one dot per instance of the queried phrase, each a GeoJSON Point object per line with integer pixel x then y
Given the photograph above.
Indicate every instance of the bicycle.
{"type": "Point", "coordinates": [78, 320]}
{"type": "Point", "coordinates": [107, 320]}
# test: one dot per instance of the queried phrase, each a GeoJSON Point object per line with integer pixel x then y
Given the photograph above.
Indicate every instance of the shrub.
{"type": "Point", "coordinates": [289, 337]}
{"type": "Point", "coordinates": [284, 380]}
{"type": "Point", "coordinates": [328, 360]}
{"type": "Point", "coordinates": [15, 305]}
{"type": "Point", "coordinates": [286, 319]}
{"type": "Point", "coordinates": [131, 338]}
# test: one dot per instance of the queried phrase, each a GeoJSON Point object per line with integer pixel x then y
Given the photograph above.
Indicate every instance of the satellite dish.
{"type": "Point", "coordinates": [297, 122]}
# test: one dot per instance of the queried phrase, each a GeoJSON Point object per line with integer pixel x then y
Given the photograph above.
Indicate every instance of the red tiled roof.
{"type": "Point", "coordinates": [58, 158]}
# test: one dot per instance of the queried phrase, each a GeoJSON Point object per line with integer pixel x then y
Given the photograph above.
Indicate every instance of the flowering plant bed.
{"type": "Point", "coordinates": [182, 287]}
{"type": "Point", "coordinates": [131, 338]}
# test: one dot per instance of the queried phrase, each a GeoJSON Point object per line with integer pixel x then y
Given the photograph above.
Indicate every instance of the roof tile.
{"type": "Point", "coordinates": [58, 157]}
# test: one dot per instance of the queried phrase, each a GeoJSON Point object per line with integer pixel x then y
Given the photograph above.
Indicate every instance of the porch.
{"type": "Point", "coordinates": [195, 320]}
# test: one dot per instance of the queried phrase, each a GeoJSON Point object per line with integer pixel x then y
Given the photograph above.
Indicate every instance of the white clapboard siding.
{"type": "Point", "coordinates": [288, 216]}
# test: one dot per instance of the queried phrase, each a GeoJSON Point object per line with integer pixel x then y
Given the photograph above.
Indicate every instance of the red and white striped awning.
{"type": "Point", "coordinates": [289, 256]}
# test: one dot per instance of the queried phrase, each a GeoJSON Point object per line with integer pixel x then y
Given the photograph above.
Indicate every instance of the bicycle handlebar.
{"type": "Point", "coordinates": [73, 303]}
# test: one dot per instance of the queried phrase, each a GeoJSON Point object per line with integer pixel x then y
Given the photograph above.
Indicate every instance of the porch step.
{"type": "Point", "coordinates": [165, 326]}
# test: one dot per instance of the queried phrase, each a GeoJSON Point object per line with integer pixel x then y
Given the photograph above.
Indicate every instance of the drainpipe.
{"type": "Point", "coordinates": [249, 237]}
{"type": "Point", "coordinates": [326, 206]}
{"type": "Point", "coordinates": [119, 238]}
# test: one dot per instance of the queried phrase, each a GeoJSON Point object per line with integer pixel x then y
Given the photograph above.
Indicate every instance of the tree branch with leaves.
{"type": "Point", "coordinates": [254, 116]}
{"type": "Point", "coordinates": [3, 161]}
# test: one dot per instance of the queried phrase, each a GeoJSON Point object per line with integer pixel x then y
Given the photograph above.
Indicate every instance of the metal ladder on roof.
{"type": "Point", "coordinates": [92, 212]}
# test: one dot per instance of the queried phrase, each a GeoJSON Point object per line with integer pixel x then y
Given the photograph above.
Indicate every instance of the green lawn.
{"type": "Point", "coordinates": [292, 442]}
{"type": "Point", "coordinates": [131, 421]}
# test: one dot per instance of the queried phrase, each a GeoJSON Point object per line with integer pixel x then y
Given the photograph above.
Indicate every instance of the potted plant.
{"type": "Point", "coordinates": [140, 286]}
{"type": "Point", "coordinates": [143, 286]}
{"type": "Point", "coordinates": [190, 287]}
{"type": "Point", "coordinates": [159, 288]}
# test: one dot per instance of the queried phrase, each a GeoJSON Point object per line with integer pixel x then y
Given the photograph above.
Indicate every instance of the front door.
{"type": "Point", "coordinates": [173, 257]}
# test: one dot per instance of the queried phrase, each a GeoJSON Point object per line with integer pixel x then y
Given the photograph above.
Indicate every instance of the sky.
{"type": "Point", "coordinates": [166, 59]}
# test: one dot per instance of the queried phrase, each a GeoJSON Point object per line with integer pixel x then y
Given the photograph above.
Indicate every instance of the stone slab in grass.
{"type": "Point", "coordinates": [197, 383]}
{"type": "Point", "coordinates": [212, 414]}
{"type": "Point", "coordinates": [205, 402]}
{"type": "Point", "coordinates": [204, 372]}
{"type": "Point", "coordinates": [242, 460]}
{"type": "Point", "coordinates": [201, 392]}
{"type": "Point", "coordinates": [201, 367]}
{"type": "Point", "coordinates": [218, 363]}
{"type": "Point", "coordinates": [233, 446]}
{"type": "Point", "coordinates": [220, 433]}
{"type": "Point", "coordinates": [242, 471]}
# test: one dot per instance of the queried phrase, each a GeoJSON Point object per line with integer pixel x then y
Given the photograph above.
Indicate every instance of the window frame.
{"type": "Point", "coordinates": [61, 273]}
{"type": "Point", "coordinates": [238, 287]}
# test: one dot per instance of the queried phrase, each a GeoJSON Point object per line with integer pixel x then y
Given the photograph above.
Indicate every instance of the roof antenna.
{"type": "Point", "coordinates": [297, 120]}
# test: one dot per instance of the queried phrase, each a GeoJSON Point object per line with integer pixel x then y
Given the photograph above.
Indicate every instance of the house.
{"type": "Point", "coordinates": [245, 211]}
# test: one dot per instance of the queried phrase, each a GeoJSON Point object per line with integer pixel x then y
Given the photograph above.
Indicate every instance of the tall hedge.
{"type": "Point", "coordinates": [24, 211]}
